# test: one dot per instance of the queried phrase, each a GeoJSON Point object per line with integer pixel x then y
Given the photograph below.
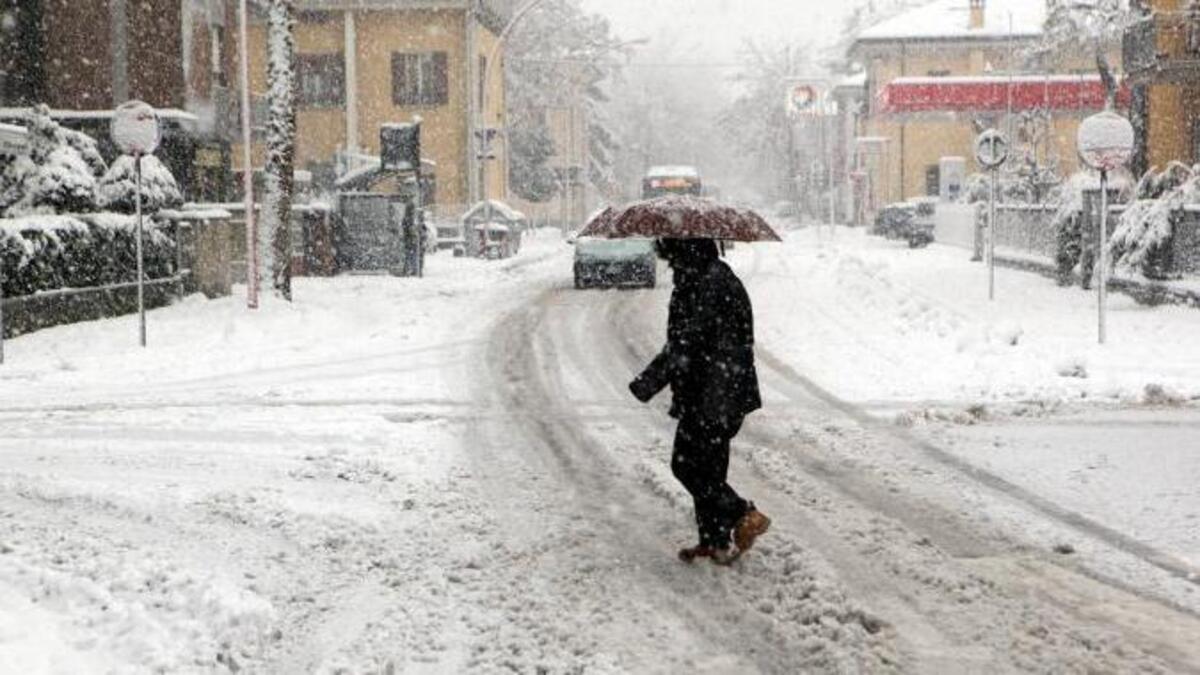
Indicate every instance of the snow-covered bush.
{"type": "Point", "coordinates": [118, 187]}
{"type": "Point", "coordinates": [1073, 253]}
{"type": "Point", "coordinates": [1142, 241]}
{"type": "Point", "coordinates": [46, 252]}
{"type": "Point", "coordinates": [56, 174]}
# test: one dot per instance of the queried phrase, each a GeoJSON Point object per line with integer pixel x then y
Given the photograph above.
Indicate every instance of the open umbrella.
{"type": "Point", "coordinates": [680, 217]}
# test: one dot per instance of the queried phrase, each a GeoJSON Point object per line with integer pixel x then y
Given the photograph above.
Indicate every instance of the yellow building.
{"type": "Point", "coordinates": [939, 74]}
{"type": "Point", "coordinates": [362, 64]}
{"type": "Point", "coordinates": [1162, 58]}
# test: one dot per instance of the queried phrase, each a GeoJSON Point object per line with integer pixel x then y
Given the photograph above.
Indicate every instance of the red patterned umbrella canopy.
{"type": "Point", "coordinates": [680, 217]}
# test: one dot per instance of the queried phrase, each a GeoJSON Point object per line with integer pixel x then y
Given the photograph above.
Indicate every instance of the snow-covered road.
{"type": "Point", "coordinates": [450, 476]}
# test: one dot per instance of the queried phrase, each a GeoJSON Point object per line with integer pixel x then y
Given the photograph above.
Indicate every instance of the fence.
{"type": "Point", "coordinates": [1027, 229]}
{"type": "Point", "coordinates": [312, 234]}
{"type": "Point", "coordinates": [200, 264]}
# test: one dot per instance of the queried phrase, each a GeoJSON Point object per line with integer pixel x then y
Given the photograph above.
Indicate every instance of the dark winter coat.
{"type": "Point", "coordinates": [709, 358]}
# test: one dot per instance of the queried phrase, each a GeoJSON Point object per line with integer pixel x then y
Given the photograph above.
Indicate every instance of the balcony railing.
{"type": "Point", "coordinates": [1164, 48]}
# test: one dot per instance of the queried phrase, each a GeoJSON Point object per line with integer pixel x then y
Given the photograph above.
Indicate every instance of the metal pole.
{"type": "Point", "coordinates": [247, 163]}
{"type": "Point", "coordinates": [419, 222]}
{"type": "Point", "coordinates": [1102, 283]}
{"type": "Point", "coordinates": [141, 262]}
{"type": "Point", "coordinates": [481, 114]}
{"type": "Point", "coordinates": [832, 177]}
{"type": "Point", "coordinates": [1008, 93]}
{"type": "Point", "coordinates": [1, 306]}
{"type": "Point", "coordinates": [991, 239]}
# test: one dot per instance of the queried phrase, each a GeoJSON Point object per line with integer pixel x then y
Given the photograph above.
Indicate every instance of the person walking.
{"type": "Point", "coordinates": [708, 362]}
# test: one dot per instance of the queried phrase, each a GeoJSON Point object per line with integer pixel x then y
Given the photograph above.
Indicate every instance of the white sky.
{"type": "Point", "coordinates": [712, 30]}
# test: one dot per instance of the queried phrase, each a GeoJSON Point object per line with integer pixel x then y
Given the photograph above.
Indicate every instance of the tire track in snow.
{"type": "Point", "coordinates": [733, 613]}
{"type": "Point", "coordinates": [921, 517]}
{"type": "Point", "coordinates": [1164, 561]}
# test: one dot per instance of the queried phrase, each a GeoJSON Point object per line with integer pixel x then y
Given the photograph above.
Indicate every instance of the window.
{"type": "Point", "coordinates": [217, 55]}
{"type": "Point", "coordinates": [420, 79]}
{"type": "Point", "coordinates": [322, 80]}
{"type": "Point", "coordinates": [933, 180]}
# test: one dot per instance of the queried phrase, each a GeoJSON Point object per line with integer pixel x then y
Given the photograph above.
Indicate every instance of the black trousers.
{"type": "Point", "coordinates": [701, 463]}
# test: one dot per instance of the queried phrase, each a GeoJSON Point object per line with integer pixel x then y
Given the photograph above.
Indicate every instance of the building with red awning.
{"type": "Point", "coordinates": [994, 94]}
{"type": "Point", "coordinates": [938, 74]}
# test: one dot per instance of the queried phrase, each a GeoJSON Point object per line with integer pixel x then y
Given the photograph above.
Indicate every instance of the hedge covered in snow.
{"type": "Point", "coordinates": [118, 188]}
{"type": "Point", "coordinates": [61, 171]}
{"type": "Point", "coordinates": [46, 253]}
{"type": "Point", "coordinates": [1142, 240]}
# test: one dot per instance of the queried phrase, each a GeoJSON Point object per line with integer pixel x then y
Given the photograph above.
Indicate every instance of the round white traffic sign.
{"type": "Point", "coordinates": [991, 149]}
{"type": "Point", "coordinates": [804, 97]}
{"type": "Point", "coordinates": [135, 129]}
{"type": "Point", "coordinates": [1106, 141]}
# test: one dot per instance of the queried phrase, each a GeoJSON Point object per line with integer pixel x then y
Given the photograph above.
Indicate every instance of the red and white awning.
{"type": "Point", "coordinates": [991, 93]}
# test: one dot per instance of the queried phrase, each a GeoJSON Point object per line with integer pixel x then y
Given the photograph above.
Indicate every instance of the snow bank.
{"type": "Point", "coordinates": [90, 609]}
{"type": "Point", "coordinates": [878, 323]}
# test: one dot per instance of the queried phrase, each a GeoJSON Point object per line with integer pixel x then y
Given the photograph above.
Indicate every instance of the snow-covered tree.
{"type": "Point", "coordinates": [1081, 25]}
{"type": "Point", "coordinates": [757, 120]}
{"type": "Point", "coordinates": [1076, 250]}
{"type": "Point", "coordinates": [560, 56]}
{"type": "Point", "coordinates": [275, 242]}
{"type": "Point", "coordinates": [118, 187]}
{"type": "Point", "coordinates": [1146, 229]}
{"type": "Point", "coordinates": [56, 173]}
{"type": "Point", "coordinates": [866, 13]}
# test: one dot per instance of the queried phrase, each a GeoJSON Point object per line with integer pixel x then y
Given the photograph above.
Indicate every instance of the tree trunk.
{"type": "Point", "coordinates": [281, 145]}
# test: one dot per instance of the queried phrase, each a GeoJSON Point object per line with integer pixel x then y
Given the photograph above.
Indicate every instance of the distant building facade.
{"type": "Point", "coordinates": [1162, 59]}
{"type": "Point", "coordinates": [83, 58]}
{"type": "Point", "coordinates": [938, 74]}
{"type": "Point", "coordinates": [362, 64]}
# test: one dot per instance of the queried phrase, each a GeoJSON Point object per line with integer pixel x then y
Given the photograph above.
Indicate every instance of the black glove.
{"type": "Point", "coordinates": [642, 389]}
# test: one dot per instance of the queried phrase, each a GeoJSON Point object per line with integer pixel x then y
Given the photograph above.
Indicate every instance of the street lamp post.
{"type": "Point", "coordinates": [481, 134]}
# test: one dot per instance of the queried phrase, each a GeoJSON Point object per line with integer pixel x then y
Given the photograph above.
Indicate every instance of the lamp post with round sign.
{"type": "Point", "coordinates": [1105, 143]}
{"type": "Point", "coordinates": [991, 151]}
{"type": "Point", "coordinates": [135, 132]}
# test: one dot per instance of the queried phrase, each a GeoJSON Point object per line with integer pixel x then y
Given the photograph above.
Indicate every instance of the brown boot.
{"type": "Point", "coordinates": [725, 557]}
{"type": "Point", "coordinates": [752, 526]}
{"type": "Point", "coordinates": [689, 555]}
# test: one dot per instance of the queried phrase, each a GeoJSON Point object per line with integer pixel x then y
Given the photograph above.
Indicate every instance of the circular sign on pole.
{"type": "Point", "coordinates": [803, 99]}
{"type": "Point", "coordinates": [135, 129]}
{"type": "Point", "coordinates": [991, 149]}
{"type": "Point", "coordinates": [1106, 141]}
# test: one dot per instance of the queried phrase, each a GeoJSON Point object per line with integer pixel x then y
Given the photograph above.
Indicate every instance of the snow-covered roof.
{"type": "Point", "coordinates": [356, 175]}
{"type": "Point", "coordinates": [950, 20]}
{"type": "Point", "coordinates": [171, 114]}
{"type": "Point", "coordinates": [494, 209]}
{"type": "Point", "coordinates": [492, 227]}
{"type": "Point", "coordinates": [856, 81]}
{"type": "Point", "coordinates": [678, 171]}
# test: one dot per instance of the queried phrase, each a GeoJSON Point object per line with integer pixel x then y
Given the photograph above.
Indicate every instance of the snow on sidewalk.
{"type": "Point", "coordinates": [233, 494]}
{"type": "Point", "coordinates": [911, 336]}
{"type": "Point", "coordinates": [201, 342]}
{"type": "Point", "coordinates": [880, 324]}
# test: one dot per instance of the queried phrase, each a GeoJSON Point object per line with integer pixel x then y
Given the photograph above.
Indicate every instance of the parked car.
{"type": "Point", "coordinates": [610, 263]}
{"type": "Point", "coordinates": [911, 221]}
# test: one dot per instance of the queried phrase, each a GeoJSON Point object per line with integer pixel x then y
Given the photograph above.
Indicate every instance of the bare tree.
{"type": "Point", "coordinates": [757, 122]}
{"type": "Point", "coordinates": [281, 145]}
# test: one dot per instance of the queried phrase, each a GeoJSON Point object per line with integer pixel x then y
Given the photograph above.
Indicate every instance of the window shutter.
{"type": "Point", "coordinates": [440, 86]}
